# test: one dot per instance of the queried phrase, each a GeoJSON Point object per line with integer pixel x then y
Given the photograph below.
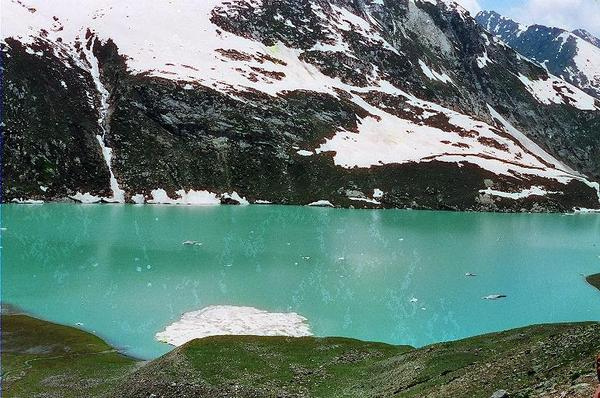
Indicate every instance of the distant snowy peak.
{"type": "Point", "coordinates": [587, 36]}
{"type": "Point", "coordinates": [573, 56]}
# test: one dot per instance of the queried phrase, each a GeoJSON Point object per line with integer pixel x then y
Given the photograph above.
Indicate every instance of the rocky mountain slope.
{"type": "Point", "coordinates": [363, 103]}
{"type": "Point", "coordinates": [574, 56]}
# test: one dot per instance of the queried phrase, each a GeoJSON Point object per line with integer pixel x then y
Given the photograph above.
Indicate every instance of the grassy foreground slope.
{"type": "Point", "coordinates": [538, 361]}
{"type": "Point", "coordinates": [42, 359]}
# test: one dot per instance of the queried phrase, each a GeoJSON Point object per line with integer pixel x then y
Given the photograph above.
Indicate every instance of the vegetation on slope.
{"type": "Point", "coordinates": [42, 359]}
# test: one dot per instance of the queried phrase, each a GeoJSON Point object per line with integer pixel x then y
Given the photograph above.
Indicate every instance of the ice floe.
{"type": "Point", "coordinates": [232, 320]}
{"type": "Point", "coordinates": [494, 297]}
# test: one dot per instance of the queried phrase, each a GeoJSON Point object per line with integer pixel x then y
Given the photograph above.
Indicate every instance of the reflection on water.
{"type": "Point", "coordinates": [384, 275]}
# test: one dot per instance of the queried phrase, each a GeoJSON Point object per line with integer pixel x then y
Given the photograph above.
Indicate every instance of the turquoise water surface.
{"type": "Point", "coordinates": [123, 273]}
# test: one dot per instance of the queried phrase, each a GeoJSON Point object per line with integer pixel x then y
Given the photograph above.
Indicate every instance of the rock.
{"type": "Point", "coordinates": [500, 394]}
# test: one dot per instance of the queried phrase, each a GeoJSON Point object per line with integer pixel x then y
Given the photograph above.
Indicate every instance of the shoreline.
{"type": "Point", "coordinates": [69, 201]}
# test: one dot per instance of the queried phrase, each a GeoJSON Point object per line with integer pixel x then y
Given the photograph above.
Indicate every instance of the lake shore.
{"type": "Point", "coordinates": [547, 360]}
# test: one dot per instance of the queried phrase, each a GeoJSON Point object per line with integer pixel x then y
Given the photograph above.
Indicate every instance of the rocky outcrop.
{"type": "Point", "coordinates": [364, 104]}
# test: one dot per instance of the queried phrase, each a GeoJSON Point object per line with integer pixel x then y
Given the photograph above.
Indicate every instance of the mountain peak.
{"type": "Point", "coordinates": [587, 36]}
{"type": "Point", "coordinates": [574, 56]}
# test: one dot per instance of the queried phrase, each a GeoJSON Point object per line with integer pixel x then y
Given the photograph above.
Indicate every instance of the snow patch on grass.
{"type": "Point", "coordinates": [231, 320]}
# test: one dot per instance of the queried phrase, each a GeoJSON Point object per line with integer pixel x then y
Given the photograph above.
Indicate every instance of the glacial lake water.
{"type": "Point", "coordinates": [123, 273]}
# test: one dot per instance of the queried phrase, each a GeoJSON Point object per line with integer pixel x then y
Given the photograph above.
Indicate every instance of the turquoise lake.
{"type": "Point", "coordinates": [123, 273]}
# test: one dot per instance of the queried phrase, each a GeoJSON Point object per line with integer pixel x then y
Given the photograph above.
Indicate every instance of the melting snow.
{"type": "Point", "coordinates": [555, 91]}
{"type": "Point", "coordinates": [28, 201]}
{"type": "Point", "coordinates": [321, 203]}
{"type": "Point", "coordinates": [533, 191]}
{"type": "Point", "coordinates": [86, 198]}
{"type": "Point", "coordinates": [235, 196]}
{"type": "Point", "coordinates": [191, 197]}
{"type": "Point", "coordinates": [231, 320]}
{"type": "Point", "coordinates": [433, 75]}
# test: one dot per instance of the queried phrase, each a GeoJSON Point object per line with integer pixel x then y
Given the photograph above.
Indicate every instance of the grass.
{"type": "Point", "coordinates": [44, 358]}
{"type": "Point", "coordinates": [546, 360]}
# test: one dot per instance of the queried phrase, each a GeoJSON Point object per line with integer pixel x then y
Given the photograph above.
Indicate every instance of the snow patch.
{"type": "Point", "coordinates": [367, 200]}
{"type": "Point", "coordinates": [232, 320]}
{"type": "Point", "coordinates": [236, 197]}
{"type": "Point", "coordinates": [433, 75]}
{"type": "Point", "coordinates": [556, 91]}
{"type": "Point", "coordinates": [321, 203]}
{"type": "Point", "coordinates": [28, 201]}
{"type": "Point", "coordinates": [191, 197]}
{"type": "Point", "coordinates": [533, 191]}
{"type": "Point", "coordinates": [86, 198]}
{"type": "Point", "coordinates": [138, 199]}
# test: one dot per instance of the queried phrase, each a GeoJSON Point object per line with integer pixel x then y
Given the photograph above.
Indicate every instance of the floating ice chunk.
{"type": "Point", "coordinates": [414, 300]}
{"type": "Point", "coordinates": [192, 243]}
{"type": "Point", "coordinates": [233, 320]}
{"type": "Point", "coordinates": [494, 297]}
{"type": "Point", "coordinates": [470, 274]}
{"type": "Point", "coordinates": [321, 203]}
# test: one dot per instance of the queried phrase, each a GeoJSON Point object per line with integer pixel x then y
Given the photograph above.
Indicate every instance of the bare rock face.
{"type": "Point", "coordinates": [410, 103]}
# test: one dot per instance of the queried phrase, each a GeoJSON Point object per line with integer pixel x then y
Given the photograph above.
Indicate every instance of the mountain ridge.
{"type": "Point", "coordinates": [574, 56]}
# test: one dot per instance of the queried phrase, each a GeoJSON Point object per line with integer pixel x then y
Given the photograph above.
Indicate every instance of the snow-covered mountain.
{"type": "Point", "coordinates": [364, 103]}
{"type": "Point", "coordinates": [574, 56]}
